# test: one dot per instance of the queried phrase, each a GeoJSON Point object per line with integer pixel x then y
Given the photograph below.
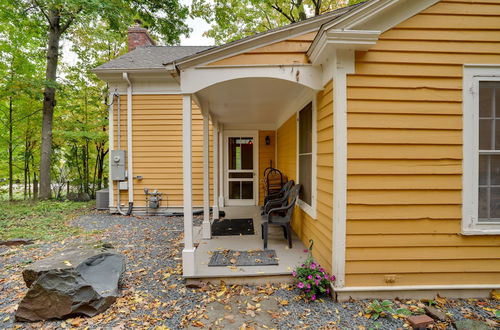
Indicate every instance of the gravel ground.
{"type": "Point", "coordinates": [155, 296]}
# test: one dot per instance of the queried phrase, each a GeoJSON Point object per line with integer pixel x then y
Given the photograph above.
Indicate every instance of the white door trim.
{"type": "Point", "coordinates": [240, 133]}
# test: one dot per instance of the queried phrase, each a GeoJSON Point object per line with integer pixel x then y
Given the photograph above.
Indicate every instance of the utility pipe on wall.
{"type": "Point", "coordinates": [111, 144]}
{"type": "Point", "coordinates": [130, 168]}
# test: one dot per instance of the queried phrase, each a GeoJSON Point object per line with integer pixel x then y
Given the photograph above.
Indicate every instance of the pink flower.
{"type": "Point", "coordinates": [316, 282]}
{"type": "Point", "coordinates": [308, 285]}
{"type": "Point", "coordinates": [327, 290]}
{"type": "Point", "coordinates": [294, 273]}
{"type": "Point", "coordinates": [306, 250]}
{"type": "Point", "coordinates": [313, 297]}
{"type": "Point", "coordinates": [322, 270]}
{"type": "Point", "coordinates": [313, 266]}
{"type": "Point", "coordinates": [332, 278]}
{"type": "Point", "coordinates": [300, 285]}
{"type": "Point", "coordinates": [309, 277]}
{"type": "Point", "coordinates": [318, 276]}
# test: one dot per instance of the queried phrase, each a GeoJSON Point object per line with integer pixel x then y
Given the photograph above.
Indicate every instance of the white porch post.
{"type": "Point", "coordinates": [206, 226]}
{"type": "Point", "coordinates": [215, 210]}
{"type": "Point", "coordinates": [188, 262]}
{"type": "Point", "coordinates": [221, 166]}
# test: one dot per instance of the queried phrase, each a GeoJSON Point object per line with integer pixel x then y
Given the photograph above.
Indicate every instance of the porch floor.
{"type": "Point", "coordinates": [288, 258]}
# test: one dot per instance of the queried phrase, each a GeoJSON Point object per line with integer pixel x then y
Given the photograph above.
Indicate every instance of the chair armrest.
{"type": "Point", "coordinates": [270, 213]}
{"type": "Point", "coordinates": [272, 204]}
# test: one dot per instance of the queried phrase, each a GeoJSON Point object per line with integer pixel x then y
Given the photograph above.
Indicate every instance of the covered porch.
{"type": "Point", "coordinates": [287, 258]}
{"type": "Point", "coordinates": [238, 104]}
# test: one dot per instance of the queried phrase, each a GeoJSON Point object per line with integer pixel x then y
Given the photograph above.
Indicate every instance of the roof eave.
{"type": "Point", "coordinates": [259, 40]}
{"type": "Point", "coordinates": [361, 23]}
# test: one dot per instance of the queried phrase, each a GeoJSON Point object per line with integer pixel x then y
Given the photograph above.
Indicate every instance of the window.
{"type": "Point", "coordinates": [305, 162]}
{"type": "Point", "coordinates": [481, 208]}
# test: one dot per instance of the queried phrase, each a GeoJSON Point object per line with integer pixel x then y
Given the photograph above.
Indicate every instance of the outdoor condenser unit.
{"type": "Point", "coordinates": [102, 199]}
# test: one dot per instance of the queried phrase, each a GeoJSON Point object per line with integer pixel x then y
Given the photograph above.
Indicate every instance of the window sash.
{"type": "Point", "coordinates": [305, 153]}
{"type": "Point", "coordinates": [473, 75]}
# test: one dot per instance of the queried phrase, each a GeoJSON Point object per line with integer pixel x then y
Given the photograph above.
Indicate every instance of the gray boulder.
{"type": "Point", "coordinates": [81, 281]}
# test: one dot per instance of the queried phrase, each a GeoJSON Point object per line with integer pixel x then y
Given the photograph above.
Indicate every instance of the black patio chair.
{"type": "Point", "coordinates": [286, 188]}
{"type": "Point", "coordinates": [281, 216]}
{"type": "Point", "coordinates": [279, 199]}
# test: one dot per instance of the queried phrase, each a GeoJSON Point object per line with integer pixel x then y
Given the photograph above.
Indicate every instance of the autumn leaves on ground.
{"type": "Point", "coordinates": [154, 294]}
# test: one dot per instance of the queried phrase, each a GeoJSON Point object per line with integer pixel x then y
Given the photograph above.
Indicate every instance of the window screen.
{"type": "Point", "coordinates": [305, 154]}
{"type": "Point", "coordinates": [489, 152]}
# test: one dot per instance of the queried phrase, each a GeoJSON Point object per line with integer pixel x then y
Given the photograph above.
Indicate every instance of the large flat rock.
{"type": "Point", "coordinates": [80, 281]}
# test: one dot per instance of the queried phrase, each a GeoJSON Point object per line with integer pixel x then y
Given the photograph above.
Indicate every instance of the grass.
{"type": "Point", "coordinates": [42, 220]}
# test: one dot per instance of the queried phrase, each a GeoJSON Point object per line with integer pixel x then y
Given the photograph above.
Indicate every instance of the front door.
{"type": "Point", "coordinates": [240, 166]}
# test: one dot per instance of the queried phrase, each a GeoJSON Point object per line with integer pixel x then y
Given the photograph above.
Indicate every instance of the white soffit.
{"type": "Point", "coordinates": [255, 101]}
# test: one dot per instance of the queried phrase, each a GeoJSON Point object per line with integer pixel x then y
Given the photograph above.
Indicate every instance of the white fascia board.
{"type": "Point", "coordinates": [196, 79]}
{"type": "Point", "coordinates": [342, 39]}
{"type": "Point", "coordinates": [377, 15]}
{"type": "Point", "coordinates": [257, 41]}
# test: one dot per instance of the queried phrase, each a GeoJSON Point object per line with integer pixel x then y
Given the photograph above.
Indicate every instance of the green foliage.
{"type": "Point", "coordinates": [44, 220]}
{"type": "Point", "coordinates": [166, 18]}
{"type": "Point", "coordinates": [379, 309]}
{"type": "Point", "coordinates": [234, 19]}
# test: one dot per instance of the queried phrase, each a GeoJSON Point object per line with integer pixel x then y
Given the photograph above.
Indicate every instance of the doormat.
{"type": "Point", "coordinates": [230, 227]}
{"type": "Point", "coordinates": [243, 258]}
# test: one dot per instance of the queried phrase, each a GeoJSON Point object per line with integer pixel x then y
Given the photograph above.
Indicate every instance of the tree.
{"type": "Point", "coordinates": [235, 19]}
{"type": "Point", "coordinates": [165, 17]}
{"type": "Point", "coordinates": [20, 60]}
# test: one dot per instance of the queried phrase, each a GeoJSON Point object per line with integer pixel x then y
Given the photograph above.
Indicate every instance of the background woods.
{"type": "Point", "coordinates": [53, 117]}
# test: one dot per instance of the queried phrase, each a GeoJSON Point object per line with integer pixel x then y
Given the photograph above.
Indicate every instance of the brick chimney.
{"type": "Point", "coordinates": [139, 37]}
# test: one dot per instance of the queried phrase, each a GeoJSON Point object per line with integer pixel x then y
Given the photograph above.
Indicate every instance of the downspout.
{"type": "Point", "coordinates": [111, 147]}
{"type": "Point", "coordinates": [130, 173]}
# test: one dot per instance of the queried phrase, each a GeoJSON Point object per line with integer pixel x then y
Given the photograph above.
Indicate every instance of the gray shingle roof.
{"type": "Point", "coordinates": [150, 57]}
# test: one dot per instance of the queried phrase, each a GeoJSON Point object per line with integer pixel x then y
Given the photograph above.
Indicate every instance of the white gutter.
{"type": "Point", "coordinates": [130, 172]}
{"type": "Point", "coordinates": [111, 146]}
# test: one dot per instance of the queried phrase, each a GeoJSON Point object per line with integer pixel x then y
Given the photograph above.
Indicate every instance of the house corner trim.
{"type": "Point", "coordinates": [343, 65]}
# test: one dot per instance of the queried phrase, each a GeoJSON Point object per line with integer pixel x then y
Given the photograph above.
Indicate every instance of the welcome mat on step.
{"type": "Point", "coordinates": [243, 258]}
{"type": "Point", "coordinates": [230, 227]}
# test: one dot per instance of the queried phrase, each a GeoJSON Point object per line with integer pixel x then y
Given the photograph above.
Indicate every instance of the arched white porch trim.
{"type": "Point", "coordinates": [196, 79]}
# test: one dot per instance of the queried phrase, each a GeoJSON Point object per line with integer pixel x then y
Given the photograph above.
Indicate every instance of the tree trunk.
{"type": "Point", "coordinates": [49, 102]}
{"type": "Point", "coordinates": [11, 174]}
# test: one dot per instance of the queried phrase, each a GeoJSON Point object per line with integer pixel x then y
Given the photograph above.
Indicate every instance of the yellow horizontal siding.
{"type": "Point", "coordinates": [405, 151]}
{"type": "Point", "coordinates": [157, 143]}
{"type": "Point", "coordinates": [319, 229]}
{"type": "Point", "coordinates": [267, 156]}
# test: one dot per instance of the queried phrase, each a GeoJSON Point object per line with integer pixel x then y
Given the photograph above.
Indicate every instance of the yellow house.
{"type": "Point", "coordinates": [386, 112]}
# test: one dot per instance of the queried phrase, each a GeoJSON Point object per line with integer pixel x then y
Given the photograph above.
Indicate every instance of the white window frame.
{"type": "Point", "coordinates": [309, 209]}
{"type": "Point", "coordinates": [473, 74]}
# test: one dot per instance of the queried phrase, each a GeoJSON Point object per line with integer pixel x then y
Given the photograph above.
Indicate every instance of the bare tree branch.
{"type": "Point", "coordinates": [70, 20]}
{"type": "Point", "coordinates": [282, 12]}
{"type": "Point", "coordinates": [35, 2]}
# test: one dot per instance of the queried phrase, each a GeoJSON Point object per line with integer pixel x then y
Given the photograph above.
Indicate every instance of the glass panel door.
{"type": "Point", "coordinates": [240, 170]}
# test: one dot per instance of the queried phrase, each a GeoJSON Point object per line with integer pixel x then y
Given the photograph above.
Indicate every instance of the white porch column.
{"type": "Point", "coordinates": [221, 166]}
{"type": "Point", "coordinates": [215, 210]}
{"type": "Point", "coordinates": [206, 226]}
{"type": "Point", "coordinates": [188, 262]}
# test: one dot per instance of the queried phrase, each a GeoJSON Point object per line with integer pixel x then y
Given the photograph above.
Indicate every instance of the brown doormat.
{"type": "Point", "coordinates": [243, 258]}
{"type": "Point", "coordinates": [233, 227]}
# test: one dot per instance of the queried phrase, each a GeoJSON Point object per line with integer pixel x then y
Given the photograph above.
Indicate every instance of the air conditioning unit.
{"type": "Point", "coordinates": [102, 199]}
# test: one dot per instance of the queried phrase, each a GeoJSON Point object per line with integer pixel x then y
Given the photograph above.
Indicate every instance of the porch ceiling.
{"type": "Point", "coordinates": [251, 101]}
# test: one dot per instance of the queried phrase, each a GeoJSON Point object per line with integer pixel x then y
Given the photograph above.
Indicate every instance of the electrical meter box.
{"type": "Point", "coordinates": [118, 165]}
